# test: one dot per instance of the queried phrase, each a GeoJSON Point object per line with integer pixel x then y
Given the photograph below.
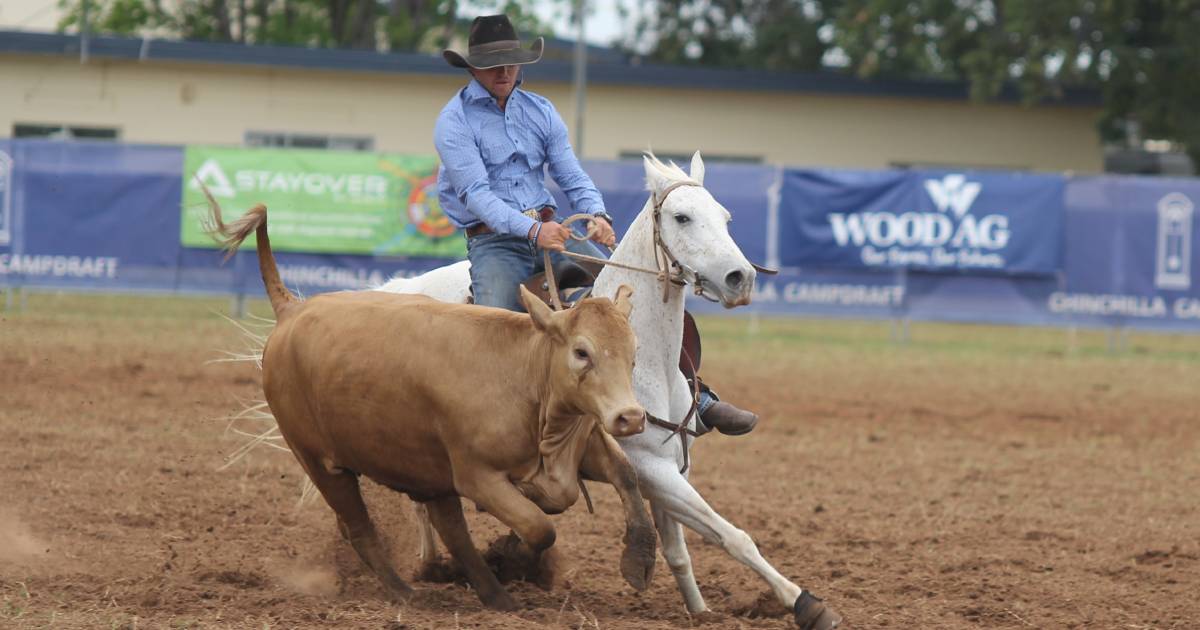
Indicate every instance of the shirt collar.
{"type": "Point", "coordinates": [476, 92]}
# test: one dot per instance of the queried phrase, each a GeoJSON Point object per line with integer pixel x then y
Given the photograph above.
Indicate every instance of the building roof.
{"type": "Point", "coordinates": [606, 73]}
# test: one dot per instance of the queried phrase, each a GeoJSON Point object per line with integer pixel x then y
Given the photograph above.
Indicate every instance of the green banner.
{"type": "Point", "coordinates": [382, 204]}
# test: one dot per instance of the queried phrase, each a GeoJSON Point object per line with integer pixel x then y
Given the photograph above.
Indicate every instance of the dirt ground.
{"type": "Point", "coordinates": [971, 478]}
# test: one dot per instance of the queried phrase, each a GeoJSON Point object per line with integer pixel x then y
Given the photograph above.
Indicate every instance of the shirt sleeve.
{"type": "Point", "coordinates": [468, 177]}
{"type": "Point", "coordinates": [565, 168]}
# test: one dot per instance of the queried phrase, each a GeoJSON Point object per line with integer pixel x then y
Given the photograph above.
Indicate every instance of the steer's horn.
{"type": "Point", "coordinates": [621, 300]}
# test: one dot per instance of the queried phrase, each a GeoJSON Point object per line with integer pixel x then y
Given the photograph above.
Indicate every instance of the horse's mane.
{"type": "Point", "coordinates": [670, 172]}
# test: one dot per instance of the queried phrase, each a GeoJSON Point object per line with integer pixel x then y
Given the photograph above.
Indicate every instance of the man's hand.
{"type": "Point", "coordinates": [603, 233]}
{"type": "Point", "coordinates": [553, 236]}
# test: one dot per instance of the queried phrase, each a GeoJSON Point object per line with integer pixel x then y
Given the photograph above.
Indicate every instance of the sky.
{"type": "Point", "coordinates": [603, 24]}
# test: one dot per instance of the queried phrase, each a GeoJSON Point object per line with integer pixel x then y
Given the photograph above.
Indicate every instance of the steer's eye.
{"type": "Point", "coordinates": [682, 219]}
{"type": "Point", "coordinates": [581, 354]}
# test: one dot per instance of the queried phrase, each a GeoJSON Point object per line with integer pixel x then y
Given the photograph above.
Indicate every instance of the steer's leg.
{"type": "Point", "coordinates": [605, 461]}
{"type": "Point", "coordinates": [447, 516]}
{"type": "Point", "coordinates": [341, 492]}
{"type": "Point", "coordinates": [498, 497]}
{"type": "Point", "coordinates": [671, 493]}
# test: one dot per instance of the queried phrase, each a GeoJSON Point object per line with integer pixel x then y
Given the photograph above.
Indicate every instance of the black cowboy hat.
{"type": "Point", "coordinates": [493, 42]}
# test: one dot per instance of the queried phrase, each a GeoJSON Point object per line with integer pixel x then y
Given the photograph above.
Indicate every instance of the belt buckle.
{"type": "Point", "coordinates": [545, 213]}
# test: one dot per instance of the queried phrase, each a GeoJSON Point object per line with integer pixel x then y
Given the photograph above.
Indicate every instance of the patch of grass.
{"type": "Point", "coordinates": [872, 338]}
{"type": "Point", "coordinates": [967, 340]}
{"type": "Point", "coordinates": [16, 602]}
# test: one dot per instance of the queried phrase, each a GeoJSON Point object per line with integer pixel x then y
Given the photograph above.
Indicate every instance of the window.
{"type": "Point", "coordinates": [64, 132]}
{"type": "Point", "coordinates": [686, 158]}
{"type": "Point", "coordinates": [308, 141]}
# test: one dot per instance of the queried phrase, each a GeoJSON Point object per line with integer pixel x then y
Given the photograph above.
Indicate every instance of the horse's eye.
{"type": "Point", "coordinates": [682, 219]}
{"type": "Point", "coordinates": [581, 354]}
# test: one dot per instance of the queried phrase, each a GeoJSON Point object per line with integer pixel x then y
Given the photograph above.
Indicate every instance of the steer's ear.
{"type": "Point", "coordinates": [622, 301]}
{"type": "Point", "coordinates": [543, 317]}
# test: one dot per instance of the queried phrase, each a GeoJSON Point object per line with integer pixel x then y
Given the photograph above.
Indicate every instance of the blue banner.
{"type": "Point", "coordinates": [1095, 251]}
{"type": "Point", "coordinates": [922, 220]}
{"type": "Point", "coordinates": [5, 194]}
{"type": "Point", "coordinates": [1131, 258]}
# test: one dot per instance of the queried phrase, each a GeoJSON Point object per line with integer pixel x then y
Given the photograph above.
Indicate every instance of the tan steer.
{"type": "Point", "coordinates": [440, 400]}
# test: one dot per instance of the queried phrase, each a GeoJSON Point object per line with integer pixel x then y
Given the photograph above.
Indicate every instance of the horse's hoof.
{"type": "Point", "coordinates": [812, 613]}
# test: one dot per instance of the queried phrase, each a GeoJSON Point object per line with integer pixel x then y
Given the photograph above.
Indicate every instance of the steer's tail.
{"type": "Point", "coordinates": [231, 236]}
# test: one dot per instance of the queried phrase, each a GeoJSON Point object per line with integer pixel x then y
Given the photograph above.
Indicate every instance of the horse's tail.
{"type": "Point", "coordinates": [230, 236]}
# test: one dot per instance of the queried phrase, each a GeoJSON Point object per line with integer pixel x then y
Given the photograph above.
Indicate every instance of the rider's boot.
{"type": "Point", "coordinates": [722, 416]}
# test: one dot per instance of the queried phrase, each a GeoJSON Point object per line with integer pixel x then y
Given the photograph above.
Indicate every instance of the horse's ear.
{"type": "Point", "coordinates": [697, 169]}
{"type": "Point", "coordinates": [543, 318]}
{"type": "Point", "coordinates": [654, 179]}
{"type": "Point", "coordinates": [622, 302]}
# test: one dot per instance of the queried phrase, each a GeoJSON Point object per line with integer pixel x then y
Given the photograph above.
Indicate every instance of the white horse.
{"type": "Point", "coordinates": [692, 228]}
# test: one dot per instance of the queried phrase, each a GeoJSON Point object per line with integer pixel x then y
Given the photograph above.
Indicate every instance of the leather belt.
{"type": "Point", "coordinates": [545, 213]}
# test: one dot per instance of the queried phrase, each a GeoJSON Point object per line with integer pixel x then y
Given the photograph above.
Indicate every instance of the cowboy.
{"type": "Point", "coordinates": [494, 139]}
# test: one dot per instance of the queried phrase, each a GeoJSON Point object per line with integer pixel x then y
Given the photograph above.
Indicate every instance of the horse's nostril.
{"type": "Point", "coordinates": [734, 280]}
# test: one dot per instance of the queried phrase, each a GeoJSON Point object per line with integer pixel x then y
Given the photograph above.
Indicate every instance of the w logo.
{"type": "Point", "coordinates": [953, 193]}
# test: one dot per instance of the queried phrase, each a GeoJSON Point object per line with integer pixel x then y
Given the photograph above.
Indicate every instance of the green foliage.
{"type": "Point", "coordinates": [1143, 55]}
{"type": "Point", "coordinates": [774, 34]}
{"type": "Point", "coordinates": [427, 25]}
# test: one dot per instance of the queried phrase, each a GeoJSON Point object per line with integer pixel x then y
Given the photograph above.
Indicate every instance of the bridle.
{"type": "Point", "coordinates": [667, 267]}
{"type": "Point", "coordinates": [669, 271]}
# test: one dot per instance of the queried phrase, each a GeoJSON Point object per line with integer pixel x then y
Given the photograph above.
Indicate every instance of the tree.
{"type": "Point", "coordinates": [323, 23]}
{"type": "Point", "coordinates": [427, 25]}
{"type": "Point", "coordinates": [774, 34]}
{"type": "Point", "coordinates": [1141, 55]}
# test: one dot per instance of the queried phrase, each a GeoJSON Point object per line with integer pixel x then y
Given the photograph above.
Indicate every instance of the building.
{"type": "Point", "coordinates": [174, 92]}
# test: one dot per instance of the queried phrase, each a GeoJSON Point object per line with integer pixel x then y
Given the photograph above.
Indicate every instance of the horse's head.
{"type": "Point", "coordinates": [695, 230]}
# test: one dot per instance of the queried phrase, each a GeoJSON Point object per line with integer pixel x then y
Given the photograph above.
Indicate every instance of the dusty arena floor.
{"type": "Point", "coordinates": [973, 478]}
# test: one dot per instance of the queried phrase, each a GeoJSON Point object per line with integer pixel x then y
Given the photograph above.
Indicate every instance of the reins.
{"type": "Point", "coordinates": [668, 270]}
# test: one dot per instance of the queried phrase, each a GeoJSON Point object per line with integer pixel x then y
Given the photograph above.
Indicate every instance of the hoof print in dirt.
{"type": "Point", "coordinates": [812, 613]}
{"type": "Point", "coordinates": [765, 606]}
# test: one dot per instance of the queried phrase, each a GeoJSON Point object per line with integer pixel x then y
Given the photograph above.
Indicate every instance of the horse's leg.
{"type": "Point", "coordinates": [670, 492]}
{"type": "Point", "coordinates": [676, 554]}
{"type": "Point", "coordinates": [447, 516]}
{"type": "Point", "coordinates": [605, 461]}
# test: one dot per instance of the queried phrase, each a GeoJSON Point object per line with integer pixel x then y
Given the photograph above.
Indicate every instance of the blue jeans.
{"type": "Point", "coordinates": [501, 262]}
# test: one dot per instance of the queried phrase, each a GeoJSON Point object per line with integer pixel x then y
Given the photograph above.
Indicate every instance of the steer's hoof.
{"type": "Point", "coordinates": [812, 613]}
{"type": "Point", "coordinates": [637, 561]}
{"type": "Point", "coordinates": [499, 600]}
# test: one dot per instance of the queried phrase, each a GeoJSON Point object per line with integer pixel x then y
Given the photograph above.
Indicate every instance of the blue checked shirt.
{"type": "Point", "coordinates": [493, 161]}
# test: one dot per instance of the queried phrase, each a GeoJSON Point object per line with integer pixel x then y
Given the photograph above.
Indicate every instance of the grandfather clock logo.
{"type": "Point", "coordinates": [1174, 265]}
